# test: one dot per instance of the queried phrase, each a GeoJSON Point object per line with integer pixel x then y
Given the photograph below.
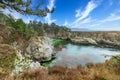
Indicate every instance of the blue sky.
{"type": "Point", "coordinates": [87, 14]}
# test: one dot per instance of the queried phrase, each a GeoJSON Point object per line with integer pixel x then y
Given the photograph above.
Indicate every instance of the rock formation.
{"type": "Point", "coordinates": [40, 49]}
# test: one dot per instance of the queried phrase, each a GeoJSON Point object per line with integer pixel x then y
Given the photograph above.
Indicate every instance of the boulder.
{"type": "Point", "coordinates": [90, 41]}
{"type": "Point", "coordinates": [40, 49]}
{"type": "Point", "coordinates": [84, 41]}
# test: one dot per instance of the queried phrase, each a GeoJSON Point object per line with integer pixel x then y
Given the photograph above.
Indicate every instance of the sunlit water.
{"type": "Point", "coordinates": [74, 55]}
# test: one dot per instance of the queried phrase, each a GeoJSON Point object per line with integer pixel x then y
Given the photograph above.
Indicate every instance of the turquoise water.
{"type": "Point", "coordinates": [74, 55]}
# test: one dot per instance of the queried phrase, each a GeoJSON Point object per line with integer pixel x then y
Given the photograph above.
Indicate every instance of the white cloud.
{"type": "Point", "coordinates": [84, 23]}
{"type": "Point", "coordinates": [51, 4]}
{"type": "Point", "coordinates": [16, 15]}
{"type": "Point", "coordinates": [86, 20]}
{"type": "Point", "coordinates": [112, 17]}
{"type": "Point", "coordinates": [83, 17]}
{"type": "Point", "coordinates": [78, 13]}
{"type": "Point", "coordinates": [48, 17]}
{"type": "Point", "coordinates": [66, 23]}
{"type": "Point", "coordinates": [8, 11]}
{"type": "Point", "coordinates": [88, 9]}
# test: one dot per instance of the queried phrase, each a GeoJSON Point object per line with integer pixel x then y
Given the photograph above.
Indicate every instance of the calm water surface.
{"type": "Point", "coordinates": [74, 55]}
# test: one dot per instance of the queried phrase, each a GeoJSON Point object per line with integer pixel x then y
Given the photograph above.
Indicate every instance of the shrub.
{"type": "Point", "coordinates": [115, 63]}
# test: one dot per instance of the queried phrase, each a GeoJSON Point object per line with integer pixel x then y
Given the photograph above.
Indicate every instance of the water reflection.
{"type": "Point", "coordinates": [74, 55]}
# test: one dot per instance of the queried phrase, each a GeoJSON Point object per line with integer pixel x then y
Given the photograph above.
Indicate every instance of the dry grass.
{"type": "Point", "coordinates": [89, 72]}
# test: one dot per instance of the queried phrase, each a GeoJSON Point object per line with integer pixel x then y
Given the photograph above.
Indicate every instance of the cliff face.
{"type": "Point", "coordinates": [101, 39]}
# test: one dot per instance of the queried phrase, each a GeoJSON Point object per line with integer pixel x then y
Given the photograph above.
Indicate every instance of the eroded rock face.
{"type": "Point", "coordinates": [40, 48]}
{"type": "Point", "coordinates": [84, 41]}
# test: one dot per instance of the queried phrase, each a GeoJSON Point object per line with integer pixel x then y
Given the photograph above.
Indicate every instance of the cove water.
{"type": "Point", "coordinates": [74, 55]}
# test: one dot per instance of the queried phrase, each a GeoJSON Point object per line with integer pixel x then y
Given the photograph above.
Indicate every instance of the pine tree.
{"type": "Point", "coordinates": [24, 7]}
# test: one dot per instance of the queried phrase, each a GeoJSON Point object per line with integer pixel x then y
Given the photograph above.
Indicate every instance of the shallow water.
{"type": "Point", "coordinates": [74, 55]}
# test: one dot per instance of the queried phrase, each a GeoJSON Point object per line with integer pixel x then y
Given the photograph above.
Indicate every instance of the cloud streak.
{"type": "Point", "coordinates": [16, 15]}
{"type": "Point", "coordinates": [50, 7]}
{"type": "Point", "coordinates": [66, 23]}
{"type": "Point", "coordinates": [83, 16]}
{"type": "Point", "coordinates": [112, 17]}
{"type": "Point", "coordinates": [87, 20]}
{"type": "Point", "coordinates": [8, 11]}
{"type": "Point", "coordinates": [88, 9]}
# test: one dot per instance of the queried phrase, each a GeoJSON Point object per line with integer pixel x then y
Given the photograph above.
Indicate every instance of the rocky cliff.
{"type": "Point", "coordinates": [101, 39]}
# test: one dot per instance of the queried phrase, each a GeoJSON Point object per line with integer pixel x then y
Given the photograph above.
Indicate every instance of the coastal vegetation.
{"type": "Point", "coordinates": [27, 49]}
{"type": "Point", "coordinates": [91, 71]}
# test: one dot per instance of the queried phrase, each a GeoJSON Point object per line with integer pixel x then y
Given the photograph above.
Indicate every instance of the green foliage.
{"type": "Point", "coordinates": [47, 64]}
{"type": "Point", "coordinates": [34, 28]}
{"type": "Point", "coordinates": [10, 20]}
{"type": "Point", "coordinates": [20, 26]}
{"type": "Point", "coordinates": [58, 42]}
{"type": "Point", "coordinates": [37, 27]}
{"type": "Point", "coordinates": [7, 62]}
{"type": "Point", "coordinates": [53, 29]}
{"type": "Point", "coordinates": [115, 63]}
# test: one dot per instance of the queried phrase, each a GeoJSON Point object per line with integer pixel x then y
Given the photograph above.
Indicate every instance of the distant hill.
{"type": "Point", "coordinates": [80, 29]}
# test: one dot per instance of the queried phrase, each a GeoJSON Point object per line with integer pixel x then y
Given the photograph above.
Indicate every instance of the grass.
{"type": "Point", "coordinates": [7, 63]}
{"type": "Point", "coordinates": [7, 57]}
{"type": "Point", "coordinates": [89, 72]}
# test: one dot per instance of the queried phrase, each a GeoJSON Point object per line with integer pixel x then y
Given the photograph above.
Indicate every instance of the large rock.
{"type": "Point", "coordinates": [40, 49]}
{"type": "Point", "coordinates": [98, 42]}
{"type": "Point", "coordinates": [84, 41]}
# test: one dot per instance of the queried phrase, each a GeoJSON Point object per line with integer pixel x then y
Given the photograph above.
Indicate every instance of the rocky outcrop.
{"type": "Point", "coordinates": [97, 42]}
{"type": "Point", "coordinates": [84, 41]}
{"type": "Point", "coordinates": [17, 54]}
{"type": "Point", "coordinates": [99, 38]}
{"type": "Point", "coordinates": [37, 50]}
{"type": "Point", "coordinates": [101, 42]}
{"type": "Point", "coordinates": [40, 49]}
{"type": "Point", "coordinates": [21, 63]}
{"type": "Point", "coordinates": [108, 43]}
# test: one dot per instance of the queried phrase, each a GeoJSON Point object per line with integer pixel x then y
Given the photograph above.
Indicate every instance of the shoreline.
{"type": "Point", "coordinates": [102, 43]}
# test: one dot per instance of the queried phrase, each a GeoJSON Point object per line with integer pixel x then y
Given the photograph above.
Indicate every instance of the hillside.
{"type": "Point", "coordinates": [91, 71]}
